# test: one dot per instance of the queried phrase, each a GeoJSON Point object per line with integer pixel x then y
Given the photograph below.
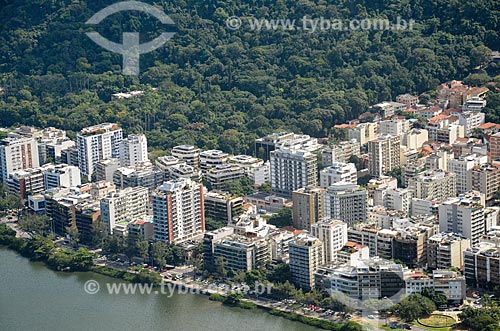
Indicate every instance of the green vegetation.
{"type": "Point", "coordinates": [325, 325]}
{"type": "Point", "coordinates": [282, 218]}
{"type": "Point", "coordinates": [223, 88]}
{"type": "Point", "coordinates": [483, 319]}
{"type": "Point", "coordinates": [8, 200]}
{"type": "Point", "coordinates": [414, 307]}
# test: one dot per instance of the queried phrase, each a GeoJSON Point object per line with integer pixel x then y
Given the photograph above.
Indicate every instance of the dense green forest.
{"type": "Point", "coordinates": [223, 88]}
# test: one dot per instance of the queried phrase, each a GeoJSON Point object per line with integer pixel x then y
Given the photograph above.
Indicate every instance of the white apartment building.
{"type": "Point", "coordinates": [133, 150]}
{"type": "Point", "coordinates": [338, 172]}
{"type": "Point", "coordinates": [446, 250]}
{"type": "Point", "coordinates": [394, 127]}
{"type": "Point", "coordinates": [62, 175]}
{"type": "Point", "coordinates": [470, 120]}
{"type": "Point", "coordinates": [219, 175]}
{"type": "Point", "coordinates": [464, 165]}
{"type": "Point", "coordinates": [364, 132]}
{"type": "Point", "coordinates": [415, 138]}
{"type": "Point", "coordinates": [17, 153]}
{"type": "Point", "coordinates": [188, 153]}
{"type": "Point", "coordinates": [446, 282]}
{"type": "Point", "coordinates": [308, 206]}
{"type": "Point", "coordinates": [291, 170]}
{"type": "Point", "coordinates": [464, 216]}
{"type": "Point", "coordinates": [333, 234]}
{"type": "Point", "coordinates": [105, 169]}
{"type": "Point", "coordinates": [97, 143]}
{"type": "Point", "coordinates": [123, 207]}
{"type": "Point", "coordinates": [183, 171]}
{"type": "Point", "coordinates": [306, 255]}
{"type": "Point", "coordinates": [178, 211]}
{"type": "Point", "coordinates": [346, 202]}
{"type": "Point", "coordinates": [434, 185]}
{"type": "Point", "coordinates": [212, 158]}
{"type": "Point", "coordinates": [394, 198]}
{"type": "Point", "coordinates": [340, 152]}
{"type": "Point", "coordinates": [257, 171]}
{"type": "Point", "coordinates": [384, 155]}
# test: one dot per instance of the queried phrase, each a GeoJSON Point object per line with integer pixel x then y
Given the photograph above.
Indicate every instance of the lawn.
{"type": "Point", "coordinates": [436, 322]}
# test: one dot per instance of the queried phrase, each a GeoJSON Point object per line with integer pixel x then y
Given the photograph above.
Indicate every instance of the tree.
{"type": "Point", "coordinates": [142, 248]}
{"type": "Point", "coordinates": [414, 307]}
{"type": "Point", "coordinates": [35, 224]}
{"type": "Point", "coordinates": [213, 224]}
{"type": "Point", "coordinates": [158, 254]}
{"type": "Point", "coordinates": [221, 267]}
{"type": "Point", "coordinates": [282, 218]}
{"type": "Point", "coordinates": [74, 234]}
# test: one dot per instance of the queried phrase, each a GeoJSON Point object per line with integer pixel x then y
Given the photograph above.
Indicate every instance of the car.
{"type": "Point", "coordinates": [371, 317]}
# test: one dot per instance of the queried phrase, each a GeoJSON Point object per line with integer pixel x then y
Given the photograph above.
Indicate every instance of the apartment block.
{"type": "Point", "coordinates": [212, 158]}
{"type": "Point", "coordinates": [338, 172]}
{"type": "Point", "coordinates": [333, 234]}
{"type": "Point", "coordinates": [484, 178]}
{"type": "Point", "coordinates": [463, 216]}
{"type": "Point", "coordinates": [364, 132]}
{"type": "Point", "coordinates": [306, 256]}
{"type": "Point", "coordinates": [449, 283]}
{"type": "Point", "coordinates": [445, 250]}
{"type": "Point", "coordinates": [133, 150]}
{"type": "Point", "coordinates": [218, 176]}
{"type": "Point", "coordinates": [340, 152]}
{"type": "Point", "coordinates": [17, 153]}
{"type": "Point", "coordinates": [187, 153]}
{"type": "Point", "coordinates": [105, 169]}
{"type": "Point", "coordinates": [384, 155]}
{"type": "Point", "coordinates": [462, 166]}
{"type": "Point", "coordinates": [434, 185]}
{"type": "Point", "coordinates": [482, 263]}
{"type": "Point", "coordinates": [125, 206]}
{"type": "Point", "coordinates": [291, 170]}
{"type": "Point", "coordinates": [346, 202]}
{"type": "Point", "coordinates": [308, 207]}
{"type": "Point", "coordinates": [97, 143]}
{"type": "Point", "coordinates": [257, 171]}
{"type": "Point", "coordinates": [221, 206]}
{"type": "Point", "coordinates": [178, 211]}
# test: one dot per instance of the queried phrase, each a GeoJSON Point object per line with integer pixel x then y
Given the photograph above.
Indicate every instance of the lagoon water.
{"type": "Point", "coordinates": [33, 297]}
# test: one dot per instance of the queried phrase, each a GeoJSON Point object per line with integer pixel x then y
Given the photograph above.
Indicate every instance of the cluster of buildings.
{"type": "Point", "coordinates": [427, 203]}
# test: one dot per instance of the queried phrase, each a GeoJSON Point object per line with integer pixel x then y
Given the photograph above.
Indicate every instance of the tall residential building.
{"type": "Point", "coordinates": [212, 158]}
{"type": "Point", "coordinates": [462, 166]}
{"type": "Point", "coordinates": [178, 211]}
{"type": "Point", "coordinates": [133, 150]}
{"type": "Point", "coordinates": [384, 155]}
{"type": "Point", "coordinates": [482, 263]}
{"type": "Point", "coordinates": [395, 127]}
{"type": "Point", "coordinates": [97, 143]}
{"type": "Point", "coordinates": [364, 132]}
{"type": "Point", "coordinates": [434, 185]}
{"type": "Point", "coordinates": [17, 153]}
{"type": "Point", "coordinates": [257, 171]}
{"type": "Point", "coordinates": [291, 170]}
{"type": "Point", "coordinates": [415, 138]}
{"type": "Point", "coordinates": [62, 175]}
{"type": "Point", "coordinates": [340, 152]}
{"type": "Point", "coordinates": [338, 172]}
{"type": "Point", "coordinates": [124, 206]}
{"type": "Point", "coordinates": [284, 140]}
{"type": "Point", "coordinates": [446, 282]}
{"type": "Point", "coordinates": [105, 169]}
{"type": "Point", "coordinates": [218, 176]}
{"type": "Point", "coordinates": [187, 153]}
{"type": "Point", "coordinates": [346, 202]}
{"type": "Point", "coordinates": [308, 207]}
{"type": "Point", "coordinates": [333, 234]}
{"type": "Point", "coordinates": [463, 216]}
{"type": "Point", "coordinates": [142, 174]}
{"type": "Point", "coordinates": [446, 250]}
{"type": "Point", "coordinates": [222, 207]}
{"type": "Point", "coordinates": [306, 255]}
{"type": "Point", "coordinates": [484, 178]}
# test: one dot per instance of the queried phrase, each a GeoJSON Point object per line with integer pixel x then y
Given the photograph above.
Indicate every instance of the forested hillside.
{"type": "Point", "coordinates": [223, 88]}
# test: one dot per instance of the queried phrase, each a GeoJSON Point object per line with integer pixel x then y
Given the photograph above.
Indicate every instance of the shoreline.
{"type": "Point", "coordinates": [248, 303]}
